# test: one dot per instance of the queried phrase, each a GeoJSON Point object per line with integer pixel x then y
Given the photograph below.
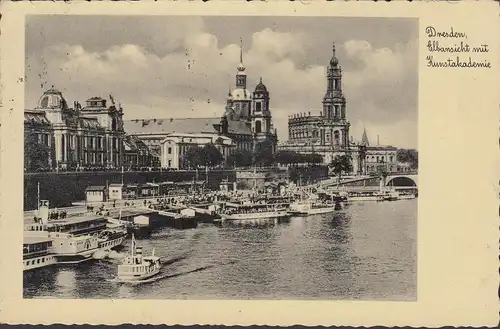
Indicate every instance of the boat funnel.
{"type": "Point", "coordinates": [43, 211]}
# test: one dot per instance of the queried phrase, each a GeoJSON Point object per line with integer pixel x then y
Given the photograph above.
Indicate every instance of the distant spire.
{"type": "Point", "coordinates": [260, 79]}
{"type": "Point", "coordinates": [241, 67]}
{"type": "Point", "coordinates": [364, 139]}
{"type": "Point", "coordinates": [334, 61]}
{"type": "Point", "coordinates": [241, 50]}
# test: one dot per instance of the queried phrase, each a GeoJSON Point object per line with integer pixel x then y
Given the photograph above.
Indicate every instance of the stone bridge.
{"type": "Point", "coordinates": [401, 180]}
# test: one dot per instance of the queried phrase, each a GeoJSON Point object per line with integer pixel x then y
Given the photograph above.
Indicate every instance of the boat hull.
{"type": "Point", "coordinates": [87, 255]}
{"type": "Point", "coordinates": [309, 212]}
{"type": "Point", "coordinates": [112, 243]}
{"type": "Point", "coordinates": [125, 279]}
{"type": "Point", "coordinates": [256, 216]}
{"type": "Point", "coordinates": [39, 262]}
{"type": "Point", "coordinates": [365, 198]}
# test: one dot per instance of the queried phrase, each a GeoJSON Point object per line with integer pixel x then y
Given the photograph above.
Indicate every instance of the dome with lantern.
{"type": "Point", "coordinates": [52, 99]}
{"type": "Point", "coordinates": [334, 61]}
{"type": "Point", "coordinates": [261, 87]}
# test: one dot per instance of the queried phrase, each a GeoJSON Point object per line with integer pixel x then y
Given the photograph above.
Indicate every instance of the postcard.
{"type": "Point", "coordinates": [243, 163]}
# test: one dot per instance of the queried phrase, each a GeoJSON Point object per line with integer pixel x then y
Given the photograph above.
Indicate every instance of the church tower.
{"type": "Point", "coordinates": [241, 97]}
{"type": "Point", "coordinates": [336, 126]}
{"type": "Point", "coordinates": [261, 116]}
{"type": "Point", "coordinates": [229, 110]}
{"type": "Point", "coordinates": [334, 100]}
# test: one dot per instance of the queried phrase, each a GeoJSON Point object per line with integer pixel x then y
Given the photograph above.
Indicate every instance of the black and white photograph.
{"type": "Point", "coordinates": [221, 158]}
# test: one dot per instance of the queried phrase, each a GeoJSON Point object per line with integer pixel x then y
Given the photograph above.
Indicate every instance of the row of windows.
{"type": "Point", "coordinates": [139, 269]}
{"type": "Point", "coordinates": [374, 168]}
{"type": "Point", "coordinates": [38, 261]}
{"type": "Point", "coordinates": [314, 134]}
{"type": "Point", "coordinates": [380, 158]}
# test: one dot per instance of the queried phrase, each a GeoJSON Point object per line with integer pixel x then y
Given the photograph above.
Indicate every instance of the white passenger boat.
{"type": "Point", "coordinates": [309, 207]}
{"type": "Point", "coordinates": [407, 196]}
{"type": "Point", "coordinates": [252, 211]}
{"type": "Point", "coordinates": [365, 197]}
{"type": "Point", "coordinates": [135, 267]}
{"type": "Point", "coordinates": [388, 195]}
{"type": "Point", "coordinates": [37, 252]}
{"type": "Point", "coordinates": [76, 239]}
{"type": "Point", "coordinates": [113, 236]}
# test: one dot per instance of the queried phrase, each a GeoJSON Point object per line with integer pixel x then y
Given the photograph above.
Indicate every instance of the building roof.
{"type": "Point", "coordinates": [183, 125]}
{"type": "Point", "coordinates": [132, 143]}
{"type": "Point", "coordinates": [364, 139]}
{"type": "Point", "coordinates": [195, 138]}
{"type": "Point", "coordinates": [96, 98]}
{"type": "Point", "coordinates": [52, 91]}
{"type": "Point", "coordinates": [261, 87]}
{"type": "Point", "coordinates": [35, 116]}
{"type": "Point", "coordinates": [34, 240]}
{"type": "Point", "coordinates": [89, 123]}
{"type": "Point", "coordinates": [95, 188]}
{"type": "Point", "coordinates": [239, 94]}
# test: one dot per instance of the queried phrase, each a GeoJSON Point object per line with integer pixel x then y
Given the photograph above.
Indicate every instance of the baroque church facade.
{"type": "Point", "coordinates": [246, 120]}
{"type": "Point", "coordinates": [327, 133]}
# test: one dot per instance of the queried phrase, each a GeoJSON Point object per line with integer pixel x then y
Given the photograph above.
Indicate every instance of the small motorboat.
{"type": "Point", "coordinates": [135, 267]}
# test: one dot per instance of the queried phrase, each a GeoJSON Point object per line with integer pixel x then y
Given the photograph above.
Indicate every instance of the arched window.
{"type": "Point", "coordinates": [315, 134]}
{"type": "Point", "coordinates": [336, 137]}
{"type": "Point", "coordinates": [258, 127]}
{"type": "Point", "coordinates": [113, 124]}
{"type": "Point", "coordinates": [44, 103]}
{"type": "Point", "coordinates": [55, 101]}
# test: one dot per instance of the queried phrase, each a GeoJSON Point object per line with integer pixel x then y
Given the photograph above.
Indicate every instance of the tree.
{"type": "Point", "coordinates": [409, 156]}
{"type": "Point", "coordinates": [36, 154]}
{"type": "Point", "coordinates": [193, 158]}
{"type": "Point", "coordinates": [264, 155]}
{"type": "Point", "coordinates": [341, 164]}
{"type": "Point", "coordinates": [287, 157]}
{"type": "Point", "coordinates": [211, 156]}
{"type": "Point", "coordinates": [240, 158]}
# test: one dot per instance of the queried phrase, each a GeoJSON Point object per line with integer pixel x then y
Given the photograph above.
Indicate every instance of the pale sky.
{"type": "Point", "coordinates": [176, 67]}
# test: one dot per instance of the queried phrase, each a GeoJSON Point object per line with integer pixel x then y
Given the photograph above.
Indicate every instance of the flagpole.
{"type": "Point", "coordinates": [133, 244]}
{"type": "Point", "coordinates": [38, 195]}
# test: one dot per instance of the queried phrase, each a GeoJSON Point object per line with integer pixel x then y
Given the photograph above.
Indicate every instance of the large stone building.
{"type": "Point", "coordinates": [77, 137]}
{"type": "Point", "coordinates": [327, 132]}
{"type": "Point", "coordinates": [247, 119]}
{"type": "Point", "coordinates": [377, 158]}
{"type": "Point", "coordinates": [175, 145]}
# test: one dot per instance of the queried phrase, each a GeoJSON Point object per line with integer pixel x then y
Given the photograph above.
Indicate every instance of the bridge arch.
{"type": "Point", "coordinates": [401, 181]}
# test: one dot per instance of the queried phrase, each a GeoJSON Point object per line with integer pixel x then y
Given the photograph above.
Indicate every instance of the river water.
{"type": "Point", "coordinates": [366, 251]}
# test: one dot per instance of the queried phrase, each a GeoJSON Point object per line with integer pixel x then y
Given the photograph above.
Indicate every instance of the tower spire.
{"type": "Point", "coordinates": [364, 138]}
{"type": "Point", "coordinates": [241, 50]}
{"type": "Point", "coordinates": [334, 61]}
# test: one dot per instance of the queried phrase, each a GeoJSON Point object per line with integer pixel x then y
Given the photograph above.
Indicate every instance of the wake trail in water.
{"type": "Point", "coordinates": [169, 276]}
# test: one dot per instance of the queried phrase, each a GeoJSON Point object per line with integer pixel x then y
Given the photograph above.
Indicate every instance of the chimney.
{"type": "Point", "coordinates": [378, 140]}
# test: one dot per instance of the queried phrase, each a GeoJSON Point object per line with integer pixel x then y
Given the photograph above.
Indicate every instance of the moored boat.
{"type": "Point", "coordinates": [252, 211]}
{"type": "Point", "coordinates": [75, 239]}
{"type": "Point", "coordinates": [309, 207]}
{"type": "Point", "coordinates": [37, 252]}
{"type": "Point", "coordinates": [112, 236]}
{"type": "Point", "coordinates": [135, 267]}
